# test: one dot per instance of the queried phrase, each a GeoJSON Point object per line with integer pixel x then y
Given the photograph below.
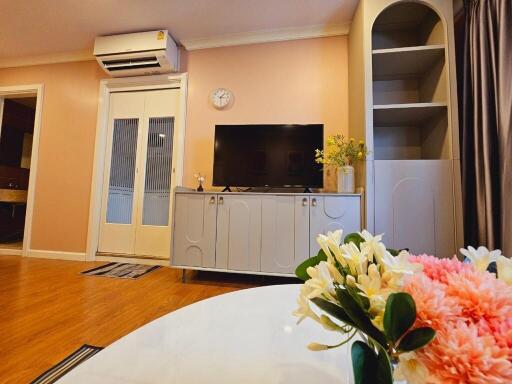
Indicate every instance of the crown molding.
{"type": "Point", "coordinates": [242, 38]}
{"type": "Point", "coordinates": [84, 55]}
{"type": "Point", "coordinates": [266, 36]}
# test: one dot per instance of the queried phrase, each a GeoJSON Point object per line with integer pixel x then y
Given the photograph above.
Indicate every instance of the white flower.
{"type": "Point", "coordinates": [373, 246]}
{"type": "Point", "coordinates": [356, 259]}
{"type": "Point", "coordinates": [334, 241]}
{"type": "Point", "coordinates": [321, 283]}
{"type": "Point", "coordinates": [481, 257]}
{"type": "Point", "coordinates": [322, 240]}
{"type": "Point", "coordinates": [504, 266]}
{"type": "Point", "coordinates": [370, 284]}
{"type": "Point", "coordinates": [330, 244]}
{"type": "Point", "coordinates": [400, 264]}
{"type": "Point", "coordinates": [304, 310]}
{"type": "Point", "coordinates": [335, 274]}
{"type": "Point", "coordinates": [371, 287]}
{"type": "Point", "coordinates": [328, 324]}
{"type": "Point", "coordinates": [411, 369]}
{"type": "Point", "coordinates": [317, 347]}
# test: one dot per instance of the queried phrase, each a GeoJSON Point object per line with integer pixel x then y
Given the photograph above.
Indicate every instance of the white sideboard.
{"type": "Point", "coordinates": [259, 233]}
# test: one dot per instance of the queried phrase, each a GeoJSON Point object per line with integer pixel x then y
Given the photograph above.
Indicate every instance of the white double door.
{"type": "Point", "coordinates": [139, 174]}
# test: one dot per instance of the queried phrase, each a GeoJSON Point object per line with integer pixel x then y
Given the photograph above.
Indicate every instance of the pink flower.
{"type": "Point", "coordinates": [433, 307]}
{"type": "Point", "coordinates": [438, 269]}
{"type": "Point", "coordinates": [481, 296]}
{"type": "Point", "coordinates": [471, 312]}
{"type": "Point", "coordinates": [459, 355]}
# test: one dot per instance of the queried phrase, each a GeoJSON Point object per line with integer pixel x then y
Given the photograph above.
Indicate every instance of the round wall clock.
{"type": "Point", "coordinates": [221, 98]}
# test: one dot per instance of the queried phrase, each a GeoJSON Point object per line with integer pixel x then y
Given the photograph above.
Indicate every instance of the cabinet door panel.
{"type": "Point", "coordinates": [239, 233]}
{"type": "Point", "coordinates": [414, 205]}
{"type": "Point", "coordinates": [194, 230]}
{"type": "Point", "coordinates": [302, 251]}
{"type": "Point", "coordinates": [329, 213]}
{"type": "Point", "coordinates": [277, 236]}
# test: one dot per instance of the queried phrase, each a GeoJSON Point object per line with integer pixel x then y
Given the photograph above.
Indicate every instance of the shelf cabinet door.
{"type": "Point", "coordinates": [414, 205]}
{"type": "Point", "coordinates": [195, 218]}
{"type": "Point", "coordinates": [238, 233]}
{"type": "Point", "coordinates": [278, 234]}
{"type": "Point", "coordinates": [329, 213]}
{"type": "Point", "coordinates": [301, 229]}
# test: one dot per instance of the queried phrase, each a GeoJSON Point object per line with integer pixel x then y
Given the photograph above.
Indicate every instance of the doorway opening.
{"type": "Point", "coordinates": [17, 121]}
{"type": "Point", "coordinates": [20, 122]}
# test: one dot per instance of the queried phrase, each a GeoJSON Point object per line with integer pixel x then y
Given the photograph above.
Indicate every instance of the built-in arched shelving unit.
{"type": "Point", "coordinates": [403, 101]}
{"type": "Point", "coordinates": [410, 115]}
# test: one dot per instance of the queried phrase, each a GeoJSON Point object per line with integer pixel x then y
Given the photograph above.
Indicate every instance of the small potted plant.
{"type": "Point", "coordinates": [342, 155]}
{"type": "Point", "coordinates": [200, 180]}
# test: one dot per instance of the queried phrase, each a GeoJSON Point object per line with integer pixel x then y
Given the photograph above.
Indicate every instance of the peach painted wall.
{"type": "Point", "coordinates": [66, 151]}
{"type": "Point", "coordinates": [303, 81]}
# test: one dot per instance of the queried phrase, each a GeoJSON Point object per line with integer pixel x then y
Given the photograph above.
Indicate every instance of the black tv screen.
{"type": "Point", "coordinates": [267, 155]}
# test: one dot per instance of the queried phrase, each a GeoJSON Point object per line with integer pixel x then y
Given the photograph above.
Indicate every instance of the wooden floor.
{"type": "Point", "coordinates": [47, 309]}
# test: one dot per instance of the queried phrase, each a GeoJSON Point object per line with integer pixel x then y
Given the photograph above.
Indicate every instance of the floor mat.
{"type": "Point", "coordinates": [121, 270]}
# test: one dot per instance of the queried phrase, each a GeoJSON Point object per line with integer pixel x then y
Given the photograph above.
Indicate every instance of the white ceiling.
{"type": "Point", "coordinates": [30, 28]}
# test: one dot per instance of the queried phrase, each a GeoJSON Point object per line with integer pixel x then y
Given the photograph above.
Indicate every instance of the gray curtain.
{"type": "Point", "coordinates": [486, 124]}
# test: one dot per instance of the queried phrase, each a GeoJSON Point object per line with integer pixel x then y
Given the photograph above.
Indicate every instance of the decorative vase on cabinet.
{"type": "Point", "coordinates": [346, 183]}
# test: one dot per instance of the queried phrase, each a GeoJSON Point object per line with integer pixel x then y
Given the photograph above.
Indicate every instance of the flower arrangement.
{"type": "Point", "coordinates": [416, 318]}
{"type": "Point", "coordinates": [341, 153]}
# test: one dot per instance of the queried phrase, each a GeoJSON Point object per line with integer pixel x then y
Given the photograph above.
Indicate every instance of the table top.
{"type": "Point", "coordinates": [248, 336]}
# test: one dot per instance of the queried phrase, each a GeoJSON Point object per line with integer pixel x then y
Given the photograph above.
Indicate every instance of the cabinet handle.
{"type": "Point", "coordinates": [221, 200]}
{"type": "Point", "coordinates": [313, 202]}
{"type": "Point", "coordinates": [212, 200]}
{"type": "Point", "coordinates": [304, 202]}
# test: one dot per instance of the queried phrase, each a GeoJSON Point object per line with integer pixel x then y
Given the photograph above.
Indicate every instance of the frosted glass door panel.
{"type": "Point", "coordinates": [153, 196]}
{"type": "Point", "coordinates": [122, 171]}
{"type": "Point", "coordinates": [157, 185]}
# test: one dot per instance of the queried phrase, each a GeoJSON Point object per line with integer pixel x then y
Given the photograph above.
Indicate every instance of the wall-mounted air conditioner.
{"type": "Point", "coordinates": [135, 54]}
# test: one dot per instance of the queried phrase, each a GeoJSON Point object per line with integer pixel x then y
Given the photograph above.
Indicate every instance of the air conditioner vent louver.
{"type": "Point", "coordinates": [142, 62]}
{"type": "Point", "coordinates": [129, 61]}
{"type": "Point", "coordinates": [137, 54]}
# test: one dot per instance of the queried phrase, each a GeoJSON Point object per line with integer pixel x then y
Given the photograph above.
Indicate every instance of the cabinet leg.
{"type": "Point", "coordinates": [183, 276]}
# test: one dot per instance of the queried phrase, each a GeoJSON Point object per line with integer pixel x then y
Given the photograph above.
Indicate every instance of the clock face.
{"type": "Point", "coordinates": [220, 98]}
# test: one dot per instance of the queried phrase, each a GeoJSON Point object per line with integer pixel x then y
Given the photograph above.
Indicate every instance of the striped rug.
{"type": "Point", "coordinates": [76, 358]}
{"type": "Point", "coordinates": [121, 270]}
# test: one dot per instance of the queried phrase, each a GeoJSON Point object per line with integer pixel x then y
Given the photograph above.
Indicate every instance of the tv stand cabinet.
{"type": "Point", "coordinates": [256, 233]}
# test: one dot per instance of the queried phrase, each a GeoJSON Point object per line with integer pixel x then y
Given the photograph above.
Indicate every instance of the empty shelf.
{"type": "Point", "coordinates": [397, 63]}
{"type": "Point", "coordinates": [405, 114]}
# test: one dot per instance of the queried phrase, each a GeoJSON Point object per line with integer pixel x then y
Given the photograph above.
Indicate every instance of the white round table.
{"type": "Point", "coordinates": [248, 336]}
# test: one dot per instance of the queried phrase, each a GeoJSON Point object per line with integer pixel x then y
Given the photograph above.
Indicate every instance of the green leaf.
{"type": "Point", "coordinates": [393, 252]}
{"type": "Point", "coordinates": [355, 238]}
{"type": "Point", "coordinates": [385, 373]}
{"type": "Point", "coordinates": [334, 310]}
{"type": "Point", "coordinates": [364, 363]}
{"type": "Point", "coordinates": [417, 338]}
{"type": "Point", "coordinates": [301, 270]}
{"type": "Point", "coordinates": [361, 300]}
{"type": "Point", "coordinates": [399, 315]}
{"type": "Point", "coordinates": [359, 317]}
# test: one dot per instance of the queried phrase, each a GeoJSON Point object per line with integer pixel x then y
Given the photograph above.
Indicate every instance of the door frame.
{"type": "Point", "coordinates": [28, 90]}
{"type": "Point", "coordinates": [108, 86]}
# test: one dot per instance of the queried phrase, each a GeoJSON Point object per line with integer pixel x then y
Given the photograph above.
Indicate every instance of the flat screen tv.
{"type": "Point", "coordinates": [270, 155]}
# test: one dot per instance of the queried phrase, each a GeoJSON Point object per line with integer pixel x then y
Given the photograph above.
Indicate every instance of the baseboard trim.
{"type": "Point", "coordinates": [132, 260]}
{"type": "Point", "coordinates": [258, 273]}
{"type": "Point", "coordinates": [56, 255]}
{"type": "Point", "coordinates": [10, 252]}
